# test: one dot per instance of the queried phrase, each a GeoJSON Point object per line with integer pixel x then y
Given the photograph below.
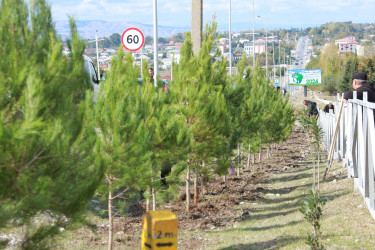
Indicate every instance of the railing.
{"type": "Point", "coordinates": [355, 143]}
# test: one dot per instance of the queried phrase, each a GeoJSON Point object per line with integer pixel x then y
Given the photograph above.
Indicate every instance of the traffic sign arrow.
{"type": "Point", "coordinates": [169, 244]}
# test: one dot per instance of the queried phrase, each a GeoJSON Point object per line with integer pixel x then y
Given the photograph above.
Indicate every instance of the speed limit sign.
{"type": "Point", "coordinates": [132, 39]}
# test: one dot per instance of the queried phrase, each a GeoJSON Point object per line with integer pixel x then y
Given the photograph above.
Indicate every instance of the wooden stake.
{"type": "Point", "coordinates": [331, 149]}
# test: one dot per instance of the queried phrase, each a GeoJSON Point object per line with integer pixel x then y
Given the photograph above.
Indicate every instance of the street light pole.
{"type": "Point", "coordinates": [279, 63]}
{"type": "Point", "coordinates": [97, 53]}
{"type": "Point", "coordinates": [266, 45]}
{"type": "Point", "coordinates": [273, 58]}
{"type": "Point", "coordinates": [253, 36]}
{"type": "Point", "coordinates": [155, 43]}
{"type": "Point", "coordinates": [266, 49]}
{"type": "Point", "coordinates": [230, 40]}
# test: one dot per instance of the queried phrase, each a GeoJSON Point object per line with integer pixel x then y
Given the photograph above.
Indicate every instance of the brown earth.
{"type": "Point", "coordinates": [215, 210]}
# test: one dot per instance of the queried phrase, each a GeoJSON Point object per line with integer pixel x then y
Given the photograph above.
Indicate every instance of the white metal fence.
{"type": "Point", "coordinates": [355, 143]}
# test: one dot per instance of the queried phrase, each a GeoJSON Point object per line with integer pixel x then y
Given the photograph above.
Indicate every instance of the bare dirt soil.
{"type": "Point", "coordinates": [215, 210]}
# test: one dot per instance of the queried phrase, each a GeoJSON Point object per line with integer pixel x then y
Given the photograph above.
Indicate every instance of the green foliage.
{"type": "Point", "coordinates": [139, 129]}
{"type": "Point", "coordinates": [312, 210]}
{"type": "Point", "coordinates": [351, 67]}
{"type": "Point", "coordinates": [115, 39]}
{"type": "Point", "coordinates": [197, 92]}
{"type": "Point", "coordinates": [47, 140]}
{"type": "Point", "coordinates": [313, 63]}
{"type": "Point", "coordinates": [367, 65]}
{"type": "Point", "coordinates": [117, 120]}
{"type": "Point", "coordinates": [330, 83]}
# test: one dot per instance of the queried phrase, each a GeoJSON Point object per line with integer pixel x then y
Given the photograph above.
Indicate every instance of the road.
{"type": "Point", "coordinates": [302, 55]}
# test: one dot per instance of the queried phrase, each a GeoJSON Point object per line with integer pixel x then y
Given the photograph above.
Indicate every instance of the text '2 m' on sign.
{"type": "Point", "coordinates": [132, 39]}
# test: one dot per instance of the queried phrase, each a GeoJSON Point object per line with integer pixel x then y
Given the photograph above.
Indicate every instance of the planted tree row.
{"type": "Point", "coordinates": [59, 149]}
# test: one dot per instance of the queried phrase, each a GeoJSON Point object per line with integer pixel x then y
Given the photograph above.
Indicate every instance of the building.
{"type": "Point", "coordinates": [348, 47]}
{"type": "Point", "coordinates": [235, 35]}
{"type": "Point", "coordinates": [365, 50]}
{"type": "Point", "coordinates": [260, 47]}
{"type": "Point", "coordinates": [346, 40]}
{"type": "Point", "coordinates": [223, 48]}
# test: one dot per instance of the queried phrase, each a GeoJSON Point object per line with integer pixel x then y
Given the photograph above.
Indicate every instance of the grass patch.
{"type": "Point", "coordinates": [276, 222]}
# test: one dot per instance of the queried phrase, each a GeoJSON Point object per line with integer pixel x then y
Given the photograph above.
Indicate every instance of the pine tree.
{"type": "Point", "coordinates": [118, 118]}
{"type": "Point", "coordinates": [198, 93]}
{"type": "Point", "coordinates": [351, 67]}
{"type": "Point", "coordinates": [47, 164]}
{"type": "Point", "coordinates": [139, 131]}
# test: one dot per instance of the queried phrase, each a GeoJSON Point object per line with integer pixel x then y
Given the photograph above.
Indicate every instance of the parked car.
{"type": "Point", "coordinates": [94, 80]}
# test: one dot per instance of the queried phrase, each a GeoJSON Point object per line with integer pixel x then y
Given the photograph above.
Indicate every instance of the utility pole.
{"type": "Point", "coordinates": [196, 25]}
{"type": "Point", "coordinates": [155, 43]}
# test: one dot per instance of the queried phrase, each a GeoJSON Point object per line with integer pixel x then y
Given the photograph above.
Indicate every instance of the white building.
{"type": "Point", "coordinates": [249, 49]}
{"type": "Point", "coordinates": [260, 47]}
{"type": "Point", "coordinates": [345, 40]}
{"type": "Point", "coordinates": [236, 35]}
{"type": "Point", "coordinates": [365, 50]}
{"type": "Point", "coordinates": [348, 47]}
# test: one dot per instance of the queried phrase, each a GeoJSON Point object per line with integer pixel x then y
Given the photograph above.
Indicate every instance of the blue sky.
{"type": "Point", "coordinates": [280, 13]}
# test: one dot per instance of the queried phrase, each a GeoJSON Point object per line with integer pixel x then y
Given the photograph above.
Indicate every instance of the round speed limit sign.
{"type": "Point", "coordinates": [132, 39]}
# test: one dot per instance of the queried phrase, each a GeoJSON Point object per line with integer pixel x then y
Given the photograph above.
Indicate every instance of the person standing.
{"type": "Point", "coordinates": [360, 84]}
{"type": "Point", "coordinates": [151, 74]}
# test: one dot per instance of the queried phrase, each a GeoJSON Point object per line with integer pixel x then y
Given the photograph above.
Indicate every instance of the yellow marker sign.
{"type": "Point", "coordinates": [159, 230]}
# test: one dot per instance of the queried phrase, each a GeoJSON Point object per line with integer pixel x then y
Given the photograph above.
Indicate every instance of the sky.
{"type": "Point", "coordinates": [177, 13]}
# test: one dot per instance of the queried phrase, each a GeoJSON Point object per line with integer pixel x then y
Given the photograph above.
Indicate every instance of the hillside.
{"type": "Point", "coordinates": [106, 28]}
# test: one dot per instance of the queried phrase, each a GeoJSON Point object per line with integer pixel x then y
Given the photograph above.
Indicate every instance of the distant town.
{"type": "Point", "coordinates": [280, 45]}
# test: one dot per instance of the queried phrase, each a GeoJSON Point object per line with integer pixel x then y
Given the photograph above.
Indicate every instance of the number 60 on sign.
{"type": "Point", "coordinates": [132, 39]}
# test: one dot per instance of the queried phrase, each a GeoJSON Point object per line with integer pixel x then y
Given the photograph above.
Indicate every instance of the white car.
{"type": "Point", "coordinates": [90, 69]}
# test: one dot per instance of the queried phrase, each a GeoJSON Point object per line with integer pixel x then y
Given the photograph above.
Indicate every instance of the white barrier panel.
{"type": "Point", "coordinates": [355, 143]}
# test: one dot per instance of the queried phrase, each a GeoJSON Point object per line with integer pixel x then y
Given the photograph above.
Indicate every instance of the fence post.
{"type": "Point", "coordinates": [354, 137]}
{"type": "Point", "coordinates": [371, 153]}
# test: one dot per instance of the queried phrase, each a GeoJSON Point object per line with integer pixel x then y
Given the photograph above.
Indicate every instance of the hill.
{"type": "Point", "coordinates": [106, 28]}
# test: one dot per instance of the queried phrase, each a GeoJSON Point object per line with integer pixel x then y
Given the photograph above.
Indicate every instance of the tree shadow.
{"type": "Point", "coordinates": [282, 203]}
{"type": "Point", "coordinates": [272, 214]}
{"type": "Point", "coordinates": [292, 177]}
{"type": "Point", "coordinates": [270, 244]}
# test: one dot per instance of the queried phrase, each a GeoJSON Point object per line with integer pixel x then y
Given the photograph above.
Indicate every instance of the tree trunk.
{"type": "Point", "coordinates": [314, 171]}
{"type": "Point", "coordinates": [318, 173]}
{"type": "Point", "coordinates": [153, 199]}
{"type": "Point", "coordinates": [204, 177]}
{"type": "Point", "coordinates": [147, 205]}
{"type": "Point", "coordinates": [239, 158]}
{"type": "Point", "coordinates": [248, 159]}
{"type": "Point", "coordinates": [253, 159]}
{"type": "Point", "coordinates": [110, 218]}
{"type": "Point", "coordinates": [225, 178]}
{"type": "Point", "coordinates": [260, 154]}
{"type": "Point", "coordinates": [188, 186]}
{"type": "Point", "coordinates": [196, 188]}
